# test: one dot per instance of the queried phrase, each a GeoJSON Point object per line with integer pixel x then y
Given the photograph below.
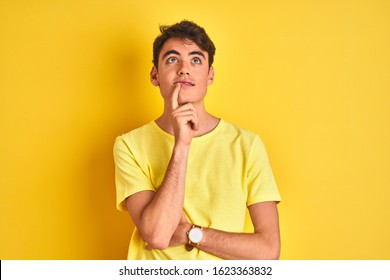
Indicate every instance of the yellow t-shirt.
{"type": "Point", "coordinates": [228, 170]}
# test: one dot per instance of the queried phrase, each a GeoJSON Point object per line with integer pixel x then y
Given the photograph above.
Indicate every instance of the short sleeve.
{"type": "Point", "coordinates": [261, 182]}
{"type": "Point", "coordinates": [129, 176]}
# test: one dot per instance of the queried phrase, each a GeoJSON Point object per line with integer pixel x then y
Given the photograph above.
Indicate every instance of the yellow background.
{"type": "Point", "coordinates": [311, 77]}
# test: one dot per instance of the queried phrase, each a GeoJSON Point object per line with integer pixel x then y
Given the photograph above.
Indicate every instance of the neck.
{"type": "Point", "coordinates": [207, 122]}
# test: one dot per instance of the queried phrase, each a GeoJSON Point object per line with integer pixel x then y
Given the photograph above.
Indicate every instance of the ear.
{"type": "Point", "coordinates": [210, 76]}
{"type": "Point", "coordinates": [154, 76]}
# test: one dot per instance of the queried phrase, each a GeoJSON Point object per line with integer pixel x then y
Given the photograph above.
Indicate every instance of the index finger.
{"type": "Point", "coordinates": [175, 97]}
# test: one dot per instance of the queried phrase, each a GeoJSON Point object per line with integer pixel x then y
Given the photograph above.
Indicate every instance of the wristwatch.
{"type": "Point", "coordinates": [195, 236]}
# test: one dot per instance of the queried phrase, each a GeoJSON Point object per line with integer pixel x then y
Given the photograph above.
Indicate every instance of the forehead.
{"type": "Point", "coordinates": [182, 46]}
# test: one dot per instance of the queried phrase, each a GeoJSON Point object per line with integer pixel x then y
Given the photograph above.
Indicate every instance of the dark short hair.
{"type": "Point", "coordinates": [184, 30]}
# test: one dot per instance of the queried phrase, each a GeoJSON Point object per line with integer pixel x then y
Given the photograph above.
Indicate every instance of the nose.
{"type": "Point", "coordinates": [183, 69]}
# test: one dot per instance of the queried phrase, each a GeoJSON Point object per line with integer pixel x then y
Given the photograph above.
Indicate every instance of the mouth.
{"type": "Point", "coordinates": [185, 83]}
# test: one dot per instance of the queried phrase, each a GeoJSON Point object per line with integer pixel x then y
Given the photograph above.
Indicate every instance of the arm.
{"type": "Point", "coordinates": [264, 243]}
{"type": "Point", "coordinates": [157, 215]}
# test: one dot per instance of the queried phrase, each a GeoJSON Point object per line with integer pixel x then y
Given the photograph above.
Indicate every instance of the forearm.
{"type": "Point", "coordinates": [161, 216]}
{"type": "Point", "coordinates": [264, 243]}
{"type": "Point", "coordinates": [228, 245]}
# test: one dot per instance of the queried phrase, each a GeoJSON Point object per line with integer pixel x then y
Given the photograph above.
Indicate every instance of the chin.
{"type": "Point", "coordinates": [183, 101]}
{"type": "Point", "coordinates": [190, 99]}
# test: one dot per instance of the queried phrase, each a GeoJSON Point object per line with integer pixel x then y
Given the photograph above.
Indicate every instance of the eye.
{"type": "Point", "coordinates": [172, 60]}
{"type": "Point", "coordinates": [196, 60]}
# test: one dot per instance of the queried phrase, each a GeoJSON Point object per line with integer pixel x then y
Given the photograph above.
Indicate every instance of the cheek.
{"type": "Point", "coordinates": [166, 90]}
{"type": "Point", "coordinates": [165, 76]}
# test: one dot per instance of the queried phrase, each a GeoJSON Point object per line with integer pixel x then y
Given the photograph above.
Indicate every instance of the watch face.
{"type": "Point", "coordinates": [195, 235]}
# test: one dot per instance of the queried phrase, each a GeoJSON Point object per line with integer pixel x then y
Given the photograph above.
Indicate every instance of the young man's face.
{"type": "Point", "coordinates": [182, 61]}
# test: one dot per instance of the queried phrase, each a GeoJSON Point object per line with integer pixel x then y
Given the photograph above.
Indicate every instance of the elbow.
{"type": "Point", "coordinates": [271, 247]}
{"type": "Point", "coordinates": [269, 251]}
{"type": "Point", "coordinates": [156, 241]}
{"type": "Point", "coordinates": [157, 236]}
{"type": "Point", "coordinates": [274, 252]}
{"type": "Point", "coordinates": [271, 254]}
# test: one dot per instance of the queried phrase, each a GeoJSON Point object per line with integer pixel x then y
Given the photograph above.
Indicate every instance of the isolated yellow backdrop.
{"type": "Point", "coordinates": [311, 77]}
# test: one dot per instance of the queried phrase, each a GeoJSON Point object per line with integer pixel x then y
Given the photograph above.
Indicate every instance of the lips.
{"type": "Point", "coordinates": [185, 83]}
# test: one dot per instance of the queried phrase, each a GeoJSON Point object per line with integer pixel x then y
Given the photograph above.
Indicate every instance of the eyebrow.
{"type": "Point", "coordinates": [198, 53]}
{"type": "Point", "coordinates": [177, 53]}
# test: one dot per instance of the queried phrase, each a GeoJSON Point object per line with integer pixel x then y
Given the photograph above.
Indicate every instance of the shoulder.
{"type": "Point", "coordinates": [143, 130]}
{"type": "Point", "coordinates": [131, 138]}
{"type": "Point", "coordinates": [240, 132]}
{"type": "Point", "coordinates": [247, 140]}
{"type": "Point", "coordinates": [138, 134]}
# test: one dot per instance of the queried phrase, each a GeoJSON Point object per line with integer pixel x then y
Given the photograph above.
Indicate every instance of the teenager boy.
{"type": "Point", "coordinates": [188, 177]}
